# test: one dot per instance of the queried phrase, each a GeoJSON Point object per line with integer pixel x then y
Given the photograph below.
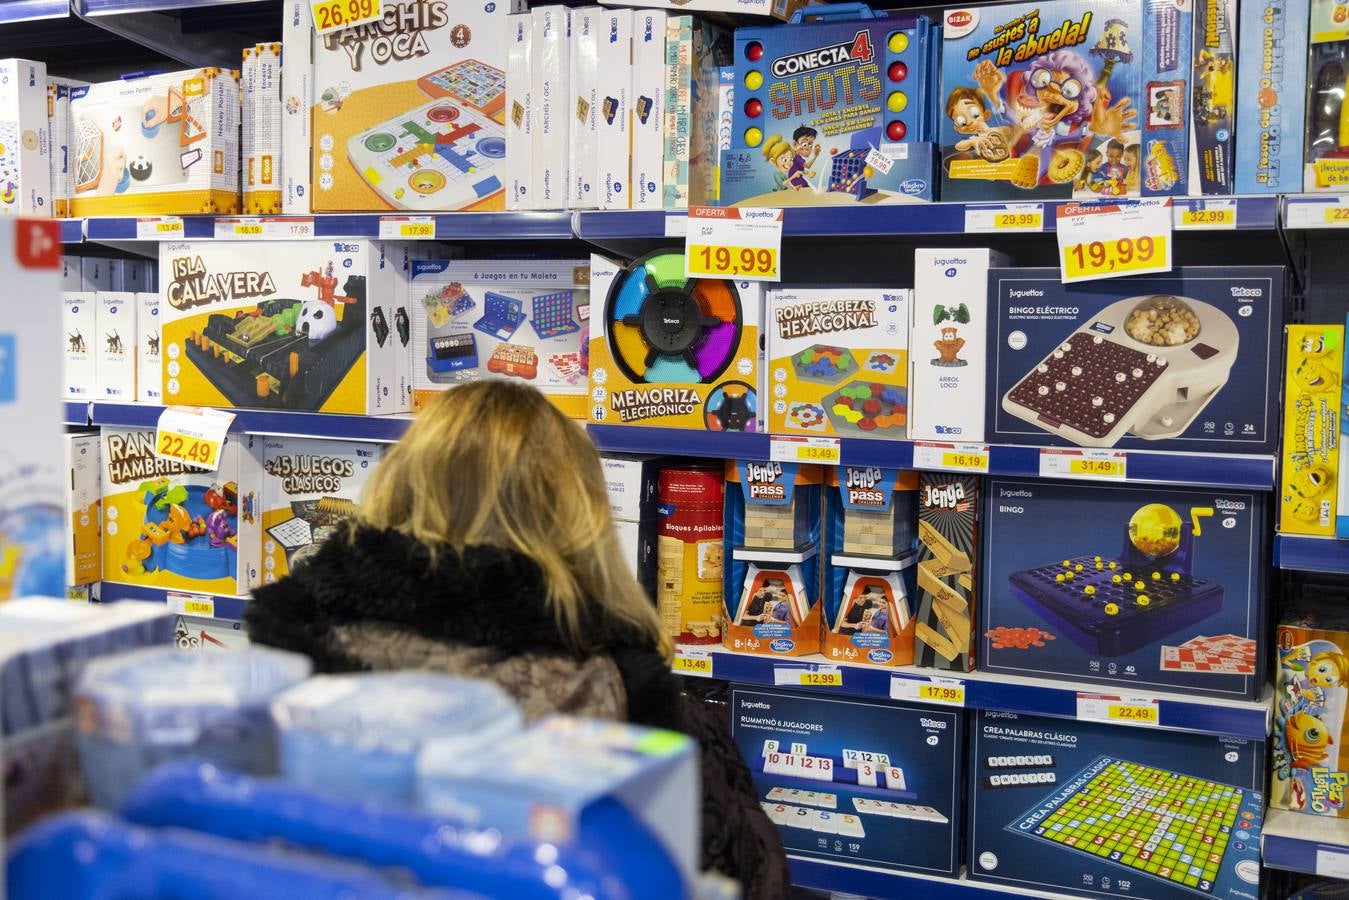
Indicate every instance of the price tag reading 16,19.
{"type": "Point", "coordinates": [1107, 239]}
{"type": "Point", "coordinates": [334, 15]}
{"type": "Point", "coordinates": [739, 243]}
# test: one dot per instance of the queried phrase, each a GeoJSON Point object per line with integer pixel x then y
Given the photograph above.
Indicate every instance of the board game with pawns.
{"type": "Point", "coordinates": [501, 319]}
{"type": "Point", "coordinates": [1181, 361]}
{"type": "Point", "coordinates": [408, 111]}
{"type": "Point", "coordinates": [862, 782]}
{"type": "Point", "coordinates": [832, 111]}
{"type": "Point", "coordinates": [1108, 810]}
{"type": "Point", "coordinates": [1158, 588]}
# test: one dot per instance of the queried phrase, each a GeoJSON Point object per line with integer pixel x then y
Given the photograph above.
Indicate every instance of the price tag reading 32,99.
{"type": "Point", "coordinates": [742, 243]}
{"type": "Point", "coordinates": [1107, 239]}
{"type": "Point", "coordinates": [192, 435]}
{"type": "Point", "coordinates": [334, 15]}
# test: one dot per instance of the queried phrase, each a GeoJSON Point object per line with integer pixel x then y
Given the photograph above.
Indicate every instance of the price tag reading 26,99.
{"type": "Point", "coordinates": [1107, 239]}
{"type": "Point", "coordinates": [733, 242]}
{"type": "Point", "coordinates": [334, 15]}
{"type": "Point", "coordinates": [192, 435]}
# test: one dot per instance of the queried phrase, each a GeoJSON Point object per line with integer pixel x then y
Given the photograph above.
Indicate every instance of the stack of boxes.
{"type": "Point", "coordinates": [633, 483]}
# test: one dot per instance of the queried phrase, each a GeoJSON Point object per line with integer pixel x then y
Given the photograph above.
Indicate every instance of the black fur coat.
{"type": "Point", "coordinates": [373, 599]}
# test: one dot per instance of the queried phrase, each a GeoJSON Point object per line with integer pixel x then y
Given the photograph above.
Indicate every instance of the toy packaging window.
{"type": "Point", "coordinates": [1175, 362]}
{"type": "Point", "coordinates": [671, 351]}
{"type": "Point", "coordinates": [502, 319]}
{"type": "Point", "coordinates": [1326, 139]}
{"type": "Point", "coordinates": [409, 111]}
{"type": "Point", "coordinates": [1154, 588]}
{"type": "Point", "coordinates": [839, 361]}
{"type": "Point", "coordinates": [160, 144]}
{"type": "Point", "coordinates": [1076, 807]}
{"type": "Point", "coordinates": [279, 325]}
{"type": "Point", "coordinates": [948, 536]}
{"type": "Point", "coordinates": [832, 112]}
{"type": "Point", "coordinates": [1312, 425]}
{"type": "Point", "coordinates": [690, 553]}
{"type": "Point", "coordinates": [1042, 101]}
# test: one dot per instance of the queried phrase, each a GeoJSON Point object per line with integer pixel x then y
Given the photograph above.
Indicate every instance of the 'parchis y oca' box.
{"type": "Point", "coordinates": [671, 351]}
{"type": "Point", "coordinates": [280, 325]}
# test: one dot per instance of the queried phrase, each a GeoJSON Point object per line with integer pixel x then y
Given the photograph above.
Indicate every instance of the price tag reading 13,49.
{"type": "Point", "coordinates": [1108, 239]}
{"type": "Point", "coordinates": [334, 15]}
{"type": "Point", "coordinates": [192, 435]}
{"type": "Point", "coordinates": [741, 243]}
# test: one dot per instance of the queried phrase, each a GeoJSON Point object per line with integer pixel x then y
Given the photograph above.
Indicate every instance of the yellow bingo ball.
{"type": "Point", "coordinates": [1097, 557]}
{"type": "Point", "coordinates": [897, 101]}
{"type": "Point", "coordinates": [898, 43]}
{"type": "Point", "coordinates": [1115, 579]}
{"type": "Point", "coordinates": [1068, 575]}
{"type": "Point", "coordinates": [1067, 565]}
{"type": "Point", "coordinates": [1077, 568]}
{"type": "Point", "coordinates": [1156, 576]}
{"type": "Point", "coordinates": [753, 79]}
{"type": "Point", "coordinates": [1175, 576]}
{"type": "Point", "coordinates": [1112, 565]}
{"type": "Point", "coordinates": [1059, 578]}
{"type": "Point", "coordinates": [1099, 567]}
{"type": "Point", "coordinates": [1142, 600]}
{"type": "Point", "coordinates": [1138, 586]}
{"type": "Point", "coordinates": [1128, 576]}
{"type": "Point", "coordinates": [753, 137]}
{"type": "Point", "coordinates": [1111, 609]}
{"type": "Point", "coordinates": [1089, 590]}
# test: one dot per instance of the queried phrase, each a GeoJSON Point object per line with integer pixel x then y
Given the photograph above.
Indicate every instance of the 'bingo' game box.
{"type": "Point", "coordinates": [839, 361]}
{"type": "Point", "coordinates": [408, 110]}
{"type": "Point", "coordinates": [832, 111]}
{"type": "Point", "coordinates": [1108, 810]}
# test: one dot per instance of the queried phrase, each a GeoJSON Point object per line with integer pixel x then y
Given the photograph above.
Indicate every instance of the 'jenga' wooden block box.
{"type": "Point", "coordinates": [948, 507]}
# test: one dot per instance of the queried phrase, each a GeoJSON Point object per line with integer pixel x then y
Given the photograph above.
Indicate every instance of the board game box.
{"type": "Point", "coordinates": [1214, 95]}
{"type": "Point", "coordinates": [280, 325]}
{"type": "Point", "coordinates": [1269, 150]}
{"type": "Point", "coordinates": [1107, 810]}
{"type": "Point", "coordinates": [832, 111]}
{"type": "Point", "coordinates": [857, 782]}
{"type": "Point", "coordinates": [501, 319]}
{"type": "Point", "coordinates": [695, 51]}
{"type": "Point", "coordinates": [408, 111]}
{"type": "Point", "coordinates": [839, 361]}
{"type": "Point", "coordinates": [156, 145]}
{"type": "Point", "coordinates": [1325, 143]}
{"type": "Point", "coordinates": [84, 513]}
{"type": "Point", "coordinates": [1312, 427]}
{"type": "Point", "coordinates": [948, 558]}
{"type": "Point", "coordinates": [26, 172]}
{"type": "Point", "coordinates": [1150, 587]}
{"type": "Point", "coordinates": [1182, 361]}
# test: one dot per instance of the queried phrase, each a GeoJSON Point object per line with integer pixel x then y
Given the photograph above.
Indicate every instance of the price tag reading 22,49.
{"type": "Point", "coordinates": [192, 435]}
{"type": "Point", "coordinates": [741, 243]}
{"type": "Point", "coordinates": [334, 15]}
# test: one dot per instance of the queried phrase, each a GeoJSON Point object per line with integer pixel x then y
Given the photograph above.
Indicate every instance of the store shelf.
{"type": "Point", "coordinates": [1316, 845]}
{"type": "Point", "coordinates": [449, 226]}
{"type": "Point", "coordinates": [1301, 553]}
{"type": "Point", "coordinates": [32, 10]}
{"type": "Point", "coordinates": [883, 884]}
{"type": "Point", "coordinates": [1218, 470]}
{"type": "Point", "coordinates": [1032, 696]}
{"type": "Point", "coordinates": [77, 413]}
{"type": "Point", "coordinates": [225, 607]}
{"type": "Point", "coordinates": [256, 421]}
{"type": "Point", "coordinates": [72, 231]}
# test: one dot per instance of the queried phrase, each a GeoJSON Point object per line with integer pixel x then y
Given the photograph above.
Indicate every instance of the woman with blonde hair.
{"type": "Point", "coordinates": [484, 546]}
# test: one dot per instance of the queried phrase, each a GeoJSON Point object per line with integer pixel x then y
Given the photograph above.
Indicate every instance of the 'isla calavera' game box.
{"type": "Point", "coordinates": [1149, 587]}
{"type": "Point", "coordinates": [1107, 810]}
{"type": "Point", "coordinates": [1041, 101]}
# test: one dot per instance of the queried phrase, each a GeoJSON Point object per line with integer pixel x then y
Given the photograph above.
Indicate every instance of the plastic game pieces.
{"type": "Point", "coordinates": [551, 315]}
{"type": "Point", "coordinates": [514, 359]}
{"type": "Point", "coordinates": [868, 407]}
{"type": "Point", "coordinates": [806, 416]}
{"type": "Point", "coordinates": [1016, 766]}
{"type": "Point", "coordinates": [1020, 638]}
{"type": "Point", "coordinates": [501, 316]}
{"type": "Point", "coordinates": [824, 364]}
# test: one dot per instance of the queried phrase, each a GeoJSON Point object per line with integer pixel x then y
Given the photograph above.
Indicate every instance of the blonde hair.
{"type": "Point", "coordinates": [495, 463]}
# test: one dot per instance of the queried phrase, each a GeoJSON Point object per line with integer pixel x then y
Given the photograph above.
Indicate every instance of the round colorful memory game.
{"type": "Point", "coordinates": [868, 408]}
{"type": "Point", "coordinates": [664, 327]}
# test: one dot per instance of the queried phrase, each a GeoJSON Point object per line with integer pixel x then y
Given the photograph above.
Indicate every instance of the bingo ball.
{"type": "Point", "coordinates": [753, 107]}
{"type": "Point", "coordinates": [1155, 530]}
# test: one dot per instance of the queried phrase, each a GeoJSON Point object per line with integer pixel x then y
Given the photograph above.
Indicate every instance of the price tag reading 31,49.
{"type": "Point", "coordinates": [741, 243]}
{"type": "Point", "coordinates": [192, 435]}
{"type": "Point", "coordinates": [1111, 238]}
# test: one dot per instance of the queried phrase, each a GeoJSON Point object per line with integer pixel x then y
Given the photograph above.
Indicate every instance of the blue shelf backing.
{"type": "Point", "coordinates": [77, 413]}
{"type": "Point", "coordinates": [1297, 842]}
{"type": "Point", "coordinates": [449, 226]}
{"type": "Point", "coordinates": [72, 231]}
{"type": "Point", "coordinates": [226, 607]}
{"type": "Point", "coordinates": [255, 421]}
{"type": "Point", "coordinates": [1311, 554]}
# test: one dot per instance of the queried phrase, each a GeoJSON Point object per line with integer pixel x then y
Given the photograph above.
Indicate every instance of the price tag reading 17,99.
{"type": "Point", "coordinates": [1107, 239]}
{"type": "Point", "coordinates": [733, 242]}
{"type": "Point", "coordinates": [334, 15]}
{"type": "Point", "coordinates": [192, 435]}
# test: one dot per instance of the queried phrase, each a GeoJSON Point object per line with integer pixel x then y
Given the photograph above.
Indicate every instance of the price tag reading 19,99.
{"type": "Point", "coordinates": [733, 242]}
{"type": "Point", "coordinates": [192, 435]}
{"type": "Point", "coordinates": [1107, 239]}
{"type": "Point", "coordinates": [334, 15]}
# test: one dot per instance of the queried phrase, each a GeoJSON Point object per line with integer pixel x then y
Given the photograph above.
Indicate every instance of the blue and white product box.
{"type": "Point", "coordinates": [855, 781]}
{"type": "Point", "coordinates": [1183, 361]}
{"type": "Point", "coordinates": [647, 109]}
{"type": "Point", "coordinates": [1272, 77]}
{"type": "Point", "coordinates": [116, 346]}
{"type": "Point", "coordinates": [521, 113]}
{"type": "Point", "coordinates": [615, 88]}
{"type": "Point", "coordinates": [1161, 168]}
{"type": "Point", "coordinates": [832, 112]}
{"type": "Point", "coordinates": [1155, 588]}
{"type": "Point", "coordinates": [584, 126]}
{"type": "Point", "coordinates": [550, 68]}
{"type": "Point", "coordinates": [149, 370]}
{"type": "Point", "coordinates": [1214, 95]}
{"type": "Point", "coordinates": [1110, 811]}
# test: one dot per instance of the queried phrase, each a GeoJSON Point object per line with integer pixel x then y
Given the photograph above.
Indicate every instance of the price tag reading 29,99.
{"type": "Point", "coordinates": [738, 243]}
{"type": "Point", "coordinates": [334, 15]}
{"type": "Point", "coordinates": [1107, 239]}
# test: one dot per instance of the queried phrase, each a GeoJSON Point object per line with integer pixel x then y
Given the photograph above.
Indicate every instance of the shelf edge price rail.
{"type": "Point", "coordinates": [741, 243]}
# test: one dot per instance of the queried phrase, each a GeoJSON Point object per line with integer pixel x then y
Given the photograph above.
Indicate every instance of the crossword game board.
{"type": "Point", "coordinates": [1173, 827]}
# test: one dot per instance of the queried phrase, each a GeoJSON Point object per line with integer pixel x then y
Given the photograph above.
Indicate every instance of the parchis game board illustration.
{"type": "Point", "coordinates": [1180, 829]}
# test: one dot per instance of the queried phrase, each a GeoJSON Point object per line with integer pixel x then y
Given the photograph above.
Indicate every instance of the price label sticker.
{"type": "Point", "coordinates": [938, 456]}
{"type": "Point", "coordinates": [334, 15]}
{"type": "Point", "coordinates": [1063, 462]}
{"type": "Point", "coordinates": [810, 675]}
{"type": "Point", "coordinates": [1211, 215]}
{"type": "Point", "coordinates": [159, 228]}
{"type": "Point", "coordinates": [825, 451]}
{"type": "Point", "coordinates": [1119, 709]}
{"type": "Point", "coordinates": [407, 228]}
{"type": "Point", "coordinates": [1316, 212]}
{"type": "Point", "coordinates": [191, 604]}
{"type": "Point", "coordinates": [879, 161]}
{"type": "Point", "coordinates": [1110, 238]}
{"type": "Point", "coordinates": [733, 242]}
{"type": "Point", "coordinates": [254, 227]}
{"type": "Point", "coordinates": [192, 435]}
{"type": "Point", "coordinates": [1004, 217]}
{"type": "Point", "coordinates": [936, 690]}
{"type": "Point", "coordinates": [1332, 863]}
{"type": "Point", "coordinates": [693, 661]}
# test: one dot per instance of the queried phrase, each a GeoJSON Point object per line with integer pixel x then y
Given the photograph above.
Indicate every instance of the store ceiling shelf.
{"type": "Point", "coordinates": [1302, 553]}
{"type": "Point", "coordinates": [884, 884]}
{"type": "Point", "coordinates": [257, 421]}
{"type": "Point", "coordinates": [448, 226]}
{"type": "Point", "coordinates": [222, 606]}
{"type": "Point", "coordinates": [1031, 696]}
{"type": "Point", "coordinates": [1143, 466]}
{"type": "Point", "coordinates": [1316, 845]}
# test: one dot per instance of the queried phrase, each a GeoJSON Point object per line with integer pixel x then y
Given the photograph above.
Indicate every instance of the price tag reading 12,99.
{"type": "Point", "coordinates": [739, 243]}
{"type": "Point", "coordinates": [334, 15]}
{"type": "Point", "coordinates": [1108, 239]}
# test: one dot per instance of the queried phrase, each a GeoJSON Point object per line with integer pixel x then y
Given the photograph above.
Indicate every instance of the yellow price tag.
{"type": "Point", "coordinates": [732, 262]}
{"type": "Point", "coordinates": [1114, 257]}
{"type": "Point", "coordinates": [950, 694]}
{"type": "Point", "coordinates": [1019, 221]}
{"type": "Point", "coordinates": [194, 451]}
{"type": "Point", "coordinates": [417, 230]}
{"type": "Point", "coordinates": [1097, 468]}
{"type": "Point", "coordinates": [814, 453]}
{"type": "Point", "coordinates": [696, 665]}
{"type": "Point", "coordinates": [1139, 714]}
{"type": "Point", "coordinates": [957, 460]}
{"type": "Point", "coordinates": [1337, 215]}
{"type": "Point", "coordinates": [173, 227]}
{"type": "Point", "coordinates": [823, 451]}
{"type": "Point", "coordinates": [198, 608]}
{"type": "Point", "coordinates": [822, 679]}
{"type": "Point", "coordinates": [332, 15]}
{"type": "Point", "coordinates": [248, 229]}
{"type": "Point", "coordinates": [1224, 217]}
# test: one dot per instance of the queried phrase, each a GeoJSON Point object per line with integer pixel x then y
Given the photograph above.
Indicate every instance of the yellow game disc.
{"type": "Point", "coordinates": [1112, 565]}
{"type": "Point", "coordinates": [1059, 578]}
{"type": "Point", "coordinates": [1111, 609]}
{"type": "Point", "coordinates": [1077, 568]}
{"type": "Point", "coordinates": [896, 101]}
{"type": "Point", "coordinates": [1156, 576]}
{"type": "Point", "coordinates": [1068, 575]}
{"type": "Point", "coordinates": [1175, 576]}
{"type": "Point", "coordinates": [1067, 565]}
{"type": "Point", "coordinates": [753, 79]}
{"type": "Point", "coordinates": [1089, 590]}
{"type": "Point", "coordinates": [1142, 600]}
{"type": "Point", "coordinates": [1116, 579]}
{"type": "Point", "coordinates": [1138, 585]}
{"type": "Point", "coordinates": [1128, 576]}
{"type": "Point", "coordinates": [898, 43]}
{"type": "Point", "coordinates": [753, 137]}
